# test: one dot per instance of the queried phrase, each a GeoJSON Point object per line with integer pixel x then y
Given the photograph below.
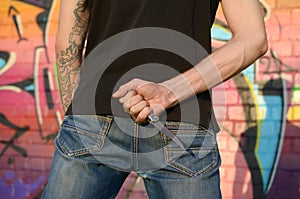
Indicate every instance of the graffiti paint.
{"type": "Point", "coordinates": [29, 101]}
{"type": "Point", "coordinates": [262, 143]}
{"type": "Point", "coordinates": [259, 142]}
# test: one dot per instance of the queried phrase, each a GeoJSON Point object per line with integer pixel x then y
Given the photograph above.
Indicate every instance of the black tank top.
{"type": "Point", "coordinates": [192, 18]}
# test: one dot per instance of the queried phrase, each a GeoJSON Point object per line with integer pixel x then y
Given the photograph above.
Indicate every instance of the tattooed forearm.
{"type": "Point", "coordinates": [69, 59]}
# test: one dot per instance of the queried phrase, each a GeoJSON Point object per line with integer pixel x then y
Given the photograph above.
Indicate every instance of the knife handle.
{"type": "Point", "coordinates": [152, 117]}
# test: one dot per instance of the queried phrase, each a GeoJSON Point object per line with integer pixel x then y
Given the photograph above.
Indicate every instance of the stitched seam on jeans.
{"type": "Point", "coordinates": [215, 158]}
{"type": "Point", "coordinates": [180, 169]}
{"type": "Point", "coordinates": [104, 127]}
{"type": "Point", "coordinates": [135, 141]}
{"type": "Point", "coordinates": [188, 171]}
{"type": "Point", "coordinates": [77, 152]}
{"type": "Point", "coordinates": [168, 161]}
{"type": "Point", "coordinates": [83, 132]}
{"type": "Point", "coordinates": [208, 169]}
{"type": "Point", "coordinates": [180, 127]}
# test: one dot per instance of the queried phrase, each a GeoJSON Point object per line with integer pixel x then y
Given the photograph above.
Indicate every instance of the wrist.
{"type": "Point", "coordinates": [179, 89]}
{"type": "Point", "coordinates": [171, 98]}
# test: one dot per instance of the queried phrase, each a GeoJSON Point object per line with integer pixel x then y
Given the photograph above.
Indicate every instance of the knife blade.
{"type": "Point", "coordinates": [154, 120]}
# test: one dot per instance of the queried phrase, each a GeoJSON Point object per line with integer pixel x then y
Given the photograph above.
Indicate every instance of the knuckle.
{"type": "Point", "coordinates": [125, 106]}
{"type": "Point", "coordinates": [122, 87]}
{"type": "Point", "coordinates": [133, 110]}
{"type": "Point", "coordinates": [140, 118]}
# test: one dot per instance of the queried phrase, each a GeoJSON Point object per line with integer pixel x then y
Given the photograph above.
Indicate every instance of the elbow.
{"type": "Point", "coordinates": [260, 44]}
{"type": "Point", "coordinates": [58, 47]}
{"type": "Point", "coordinates": [263, 45]}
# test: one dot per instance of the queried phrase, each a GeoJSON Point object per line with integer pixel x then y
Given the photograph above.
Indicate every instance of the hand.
{"type": "Point", "coordinates": [140, 97]}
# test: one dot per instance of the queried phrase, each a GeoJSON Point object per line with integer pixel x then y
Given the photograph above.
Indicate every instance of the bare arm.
{"type": "Point", "coordinates": [248, 43]}
{"type": "Point", "coordinates": [72, 30]}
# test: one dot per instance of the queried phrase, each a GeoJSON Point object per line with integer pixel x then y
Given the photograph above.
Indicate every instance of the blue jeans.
{"type": "Point", "coordinates": [95, 154]}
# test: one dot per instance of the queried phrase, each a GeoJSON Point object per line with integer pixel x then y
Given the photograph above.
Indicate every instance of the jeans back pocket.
{"type": "Point", "coordinates": [200, 141]}
{"type": "Point", "coordinates": [82, 134]}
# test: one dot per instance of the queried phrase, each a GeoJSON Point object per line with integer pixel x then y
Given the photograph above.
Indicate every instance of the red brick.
{"type": "Point", "coordinates": [290, 161]}
{"type": "Point", "coordinates": [31, 137]}
{"type": "Point", "coordinates": [287, 145]}
{"type": "Point", "coordinates": [291, 32]}
{"type": "Point", "coordinates": [282, 48]}
{"type": "Point", "coordinates": [227, 158]}
{"type": "Point", "coordinates": [273, 32]}
{"type": "Point", "coordinates": [296, 48]}
{"type": "Point", "coordinates": [4, 162]}
{"type": "Point", "coordinates": [218, 97]}
{"type": "Point", "coordinates": [239, 128]}
{"type": "Point", "coordinates": [236, 174]}
{"type": "Point", "coordinates": [11, 152]}
{"type": "Point", "coordinates": [231, 97]}
{"type": "Point", "coordinates": [289, 80]}
{"type": "Point", "coordinates": [225, 127]}
{"type": "Point", "coordinates": [231, 83]}
{"type": "Point", "coordinates": [6, 135]}
{"type": "Point", "coordinates": [283, 16]}
{"type": "Point", "coordinates": [245, 192]}
{"type": "Point", "coordinates": [296, 145]}
{"type": "Point", "coordinates": [270, 3]}
{"type": "Point", "coordinates": [288, 4]}
{"type": "Point", "coordinates": [240, 160]}
{"type": "Point", "coordinates": [37, 164]}
{"type": "Point", "coordinates": [227, 189]}
{"type": "Point", "coordinates": [232, 145]}
{"type": "Point", "coordinates": [292, 62]}
{"type": "Point", "coordinates": [296, 16]}
{"type": "Point", "coordinates": [222, 142]}
{"type": "Point", "coordinates": [21, 163]}
{"type": "Point", "coordinates": [236, 113]}
{"type": "Point", "coordinates": [138, 195]}
{"type": "Point", "coordinates": [285, 177]}
{"type": "Point", "coordinates": [48, 164]}
{"type": "Point", "coordinates": [39, 150]}
{"type": "Point", "coordinates": [220, 112]}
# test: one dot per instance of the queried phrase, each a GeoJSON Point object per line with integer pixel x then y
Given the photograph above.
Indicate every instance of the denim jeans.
{"type": "Point", "coordinates": [95, 154]}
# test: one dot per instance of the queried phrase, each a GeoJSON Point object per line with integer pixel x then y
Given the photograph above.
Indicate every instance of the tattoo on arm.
{"type": "Point", "coordinates": [69, 59]}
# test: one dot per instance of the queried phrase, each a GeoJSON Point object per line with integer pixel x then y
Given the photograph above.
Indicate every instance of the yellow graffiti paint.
{"type": "Point", "coordinates": [294, 110]}
{"type": "Point", "coordinates": [258, 117]}
{"type": "Point", "coordinates": [11, 88]}
{"type": "Point", "coordinates": [294, 113]}
{"type": "Point", "coordinates": [10, 62]}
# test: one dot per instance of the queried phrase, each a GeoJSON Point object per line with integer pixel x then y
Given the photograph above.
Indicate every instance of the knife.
{"type": "Point", "coordinates": [154, 120]}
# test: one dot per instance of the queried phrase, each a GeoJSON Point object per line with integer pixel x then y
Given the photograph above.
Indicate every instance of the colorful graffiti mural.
{"type": "Point", "coordinates": [29, 102]}
{"type": "Point", "coordinates": [259, 142]}
{"type": "Point", "coordinates": [263, 89]}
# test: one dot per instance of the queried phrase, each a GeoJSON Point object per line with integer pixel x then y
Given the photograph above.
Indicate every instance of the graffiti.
{"type": "Point", "coordinates": [262, 141]}
{"type": "Point", "coordinates": [280, 67]}
{"type": "Point", "coordinates": [20, 189]}
{"type": "Point", "coordinates": [19, 132]}
{"type": "Point", "coordinates": [29, 101]}
{"type": "Point", "coordinates": [263, 138]}
{"type": "Point", "coordinates": [17, 21]}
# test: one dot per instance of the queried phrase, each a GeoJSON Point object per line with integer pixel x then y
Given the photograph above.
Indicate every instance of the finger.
{"type": "Point", "coordinates": [124, 100]}
{"type": "Point", "coordinates": [136, 109]}
{"type": "Point", "coordinates": [125, 88]}
{"type": "Point", "coordinates": [143, 115]}
{"type": "Point", "coordinates": [133, 100]}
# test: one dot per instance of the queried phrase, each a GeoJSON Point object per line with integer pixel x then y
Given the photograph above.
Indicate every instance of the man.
{"type": "Point", "coordinates": [98, 147]}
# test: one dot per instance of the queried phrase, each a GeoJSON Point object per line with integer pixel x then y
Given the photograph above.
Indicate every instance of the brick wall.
{"type": "Point", "coordinates": [259, 141]}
